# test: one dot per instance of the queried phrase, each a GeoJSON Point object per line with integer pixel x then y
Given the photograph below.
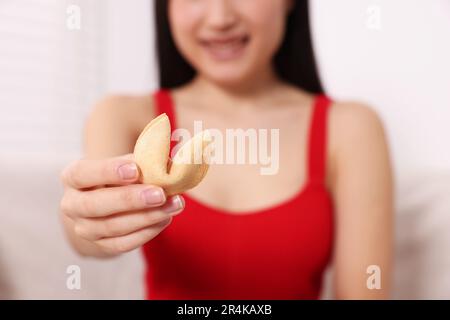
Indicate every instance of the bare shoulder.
{"type": "Point", "coordinates": [356, 134]}
{"type": "Point", "coordinates": [115, 122]}
{"type": "Point", "coordinates": [126, 110]}
{"type": "Point", "coordinates": [350, 122]}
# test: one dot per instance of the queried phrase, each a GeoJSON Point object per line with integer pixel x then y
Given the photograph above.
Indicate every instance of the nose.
{"type": "Point", "coordinates": [221, 14]}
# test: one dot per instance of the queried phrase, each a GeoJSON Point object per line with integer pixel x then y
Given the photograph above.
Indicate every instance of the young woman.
{"type": "Point", "coordinates": [242, 235]}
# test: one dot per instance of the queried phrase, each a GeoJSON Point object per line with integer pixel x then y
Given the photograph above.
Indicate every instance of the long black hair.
{"type": "Point", "coordinates": [294, 62]}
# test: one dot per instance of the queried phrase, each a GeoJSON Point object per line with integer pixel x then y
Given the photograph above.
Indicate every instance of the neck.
{"type": "Point", "coordinates": [246, 92]}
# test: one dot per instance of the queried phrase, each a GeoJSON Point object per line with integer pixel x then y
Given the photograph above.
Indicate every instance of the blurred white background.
{"type": "Point", "coordinates": [392, 54]}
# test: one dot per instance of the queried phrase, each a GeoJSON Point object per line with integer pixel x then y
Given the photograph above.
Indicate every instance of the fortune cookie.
{"type": "Point", "coordinates": [187, 168]}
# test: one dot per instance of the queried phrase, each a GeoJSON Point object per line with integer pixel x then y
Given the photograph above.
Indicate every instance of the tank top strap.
{"type": "Point", "coordinates": [164, 104]}
{"type": "Point", "coordinates": [318, 140]}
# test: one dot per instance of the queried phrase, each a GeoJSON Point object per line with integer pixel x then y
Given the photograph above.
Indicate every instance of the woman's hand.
{"type": "Point", "coordinates": [105, 212]}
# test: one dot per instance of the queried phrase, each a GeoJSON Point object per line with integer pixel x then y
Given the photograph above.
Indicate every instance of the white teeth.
{"type": "Point", "coordinates": [225, 45]}
{"type": "Point", "coordinates": [225, 49]}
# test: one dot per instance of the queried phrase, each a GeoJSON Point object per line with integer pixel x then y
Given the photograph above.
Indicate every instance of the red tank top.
{"type": "Point", "coordinates": [275, 253]}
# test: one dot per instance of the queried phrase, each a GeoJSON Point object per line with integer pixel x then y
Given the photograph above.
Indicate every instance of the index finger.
{"type": "Point", "coordinates": [88, 173]}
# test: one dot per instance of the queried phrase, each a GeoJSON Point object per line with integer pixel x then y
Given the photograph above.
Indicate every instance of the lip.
{"type": "Point", "coordinates": [225, 48]}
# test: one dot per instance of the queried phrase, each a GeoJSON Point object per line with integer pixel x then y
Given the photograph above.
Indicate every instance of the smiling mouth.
{"type": "Point", "coordinates": [225, 49]}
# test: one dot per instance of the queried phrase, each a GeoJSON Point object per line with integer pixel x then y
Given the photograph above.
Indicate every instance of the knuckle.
{"type": "Point", "coordinates": [111, 228]}
{"type": "Point", "coordinates": [66, 172]}
{"type": "Point", "coordinates": [108, 170]}
{"type": "Point", "coordinates": [64, 205]}
{"type": "Point", "coordinates": [127, 196]}
{"type": "Point", "coordinates": [63, 175]}
{"type": "Point", "coordinates": [81, 229]}
{"type": "Point", "coordinates": [121, 246]}
{"type": "Point", "coordinates": [86, 205]}
{"type": "Point", "coordinates": [105, 247]}
{"type": "Point", "coordinates": [86, 229]}
{"type": "Point", "coordinates": [70, 174]}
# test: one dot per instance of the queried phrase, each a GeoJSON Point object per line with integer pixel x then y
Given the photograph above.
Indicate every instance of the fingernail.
{"type": "Point", "coordinates": [153, 196]}
{"type": "Point", "coordinates": [175, 204]}
{"type": "Point", "coordinates": [128, 171]}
